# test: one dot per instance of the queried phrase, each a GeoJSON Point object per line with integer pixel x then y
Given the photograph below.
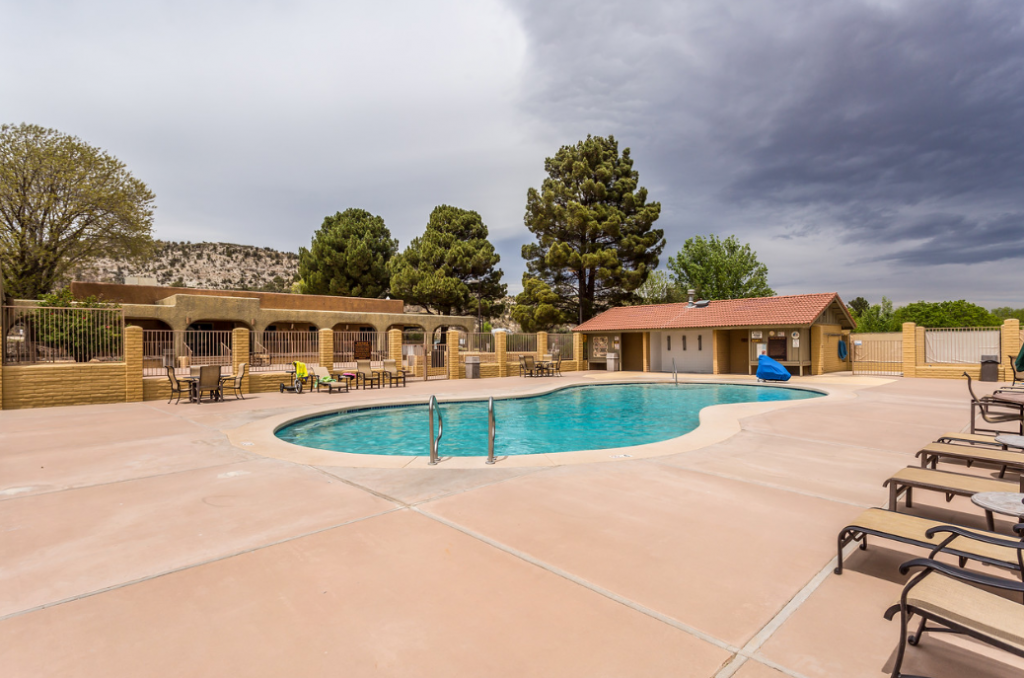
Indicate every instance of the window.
{"type": "Point", "coordinates": [700, 346]}
{"type": "Point", "coordinates": [777, 348]}
{"type": "Point", "coordinates": [669, 339]}
{"type": "Point", "coordinates": [684, 342]}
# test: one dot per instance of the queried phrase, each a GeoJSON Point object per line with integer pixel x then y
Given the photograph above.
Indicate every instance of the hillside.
{"type": "Point", "coordinates": [210, 265]}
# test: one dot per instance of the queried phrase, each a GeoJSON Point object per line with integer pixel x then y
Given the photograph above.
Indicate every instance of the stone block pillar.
{"type": "Point", "coordinates": [500, 352]}
{"type": "Point", "coordinates": [395, 346]}
{"type": "Point", "coordinates": [325, 344]}
{"type": "Point", "coordinates": [579, 350]}
{"type": "Point", "coordinates": [454, 368]}
{"type": "Point", "coordinates": [133, 364]}
{"type": "Point", "coordinates": [1010, 347]}
{"type": "Point", "coordinates": [542, 345]}
{"type": "Point", "coordinates": [240, 338]}
{"type": "Point", "coordinates": [909, 349]}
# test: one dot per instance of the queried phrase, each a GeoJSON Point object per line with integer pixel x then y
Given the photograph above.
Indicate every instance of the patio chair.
{"type": "Point", "coordinates": [323, 379]}
{"type": "Point", "coordinates": [1011, 412]}
{"type": "Point", "coordinates": [906, 480]}
{"type": "Point", "coordinates": [394, 373]}
{"type": "Point", "coordinates": [177, 387]}
{"type": "Point", "coordinates": [932, 453]}
{"type": "Point", "coordinates": [209, 382]}
{"type": "Point", "coordinates": [950, 597]}
{"type": "Point", "coordinates": [556, 367]}
{"type": "Point", "coordinates": [234, 383]}
{"type": "Point", "coordinates": [1018, 376]}
{"type": "Point", "coordinates": [912, 530]}
{"type": "Point", "coordinates": [529, 367]}
{"type": "Point", "coordinates": [364, 375]}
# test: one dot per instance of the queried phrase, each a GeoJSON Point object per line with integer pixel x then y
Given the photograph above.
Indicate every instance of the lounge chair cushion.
{"type": "Point", "coordinates": [1011, 459]}
{"type": "Point", "coordinates": [971, 607]}
{"type": "Point", "coordinates": [953, 482]}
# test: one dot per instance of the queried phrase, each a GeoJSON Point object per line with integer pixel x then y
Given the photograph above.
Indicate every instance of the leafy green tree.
{"type": "Point", "coordinates": [537, 307]}
{"type": "Point", "coordinates": [83, 335]}
{"type": "Point", "coordinates": [64, 203]}
{"type": "Point", "coordinates": [720, 269]}
{"type": "Point", "coordinates": [595, 242]}
{"type": "Point", "coordinates": [348, 257]}
{"type": "Point", "coordinates": [877, 318]}
{"type": "Point", "coordinates": [659, 289]}
{"type": "Point", "coordinates": [451, 268]}
{"type": "Point", "coordinates": [858, 305]}
{"type": "Point", "coordinates": [1005, 312]}
{"type": "Point", "coordinates": [958, 313]}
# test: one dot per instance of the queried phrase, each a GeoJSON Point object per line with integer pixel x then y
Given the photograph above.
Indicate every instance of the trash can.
{"type": "Point", "coordinates": [472, 367]}
{"type": "Point", "coordinates": [990, 368]}
{"type": "Point", "coordinates": [612, 362]}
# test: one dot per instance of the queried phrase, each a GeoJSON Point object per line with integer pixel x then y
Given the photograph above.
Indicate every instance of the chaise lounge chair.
{"type": "Point", "coordinates": [932, 453]}
{"type": "Point", "coordinates": [1009, 411]}
{"type": "Point", "coordinates": [950, 484]}
{"type": "Point", "coordinates": [984, 439]}
{"type": "Point", "coordinates": [324, 379]}
{"type": "Point", "coordinates": [916, 531]}
{"type": "Point", "coordinates": [950, 598]}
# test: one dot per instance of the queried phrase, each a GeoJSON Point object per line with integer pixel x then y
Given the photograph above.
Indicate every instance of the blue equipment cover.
{"type": "Point", "coordinates": [842, 350]}
{"type": "Point", "coordinates": [771, 370]}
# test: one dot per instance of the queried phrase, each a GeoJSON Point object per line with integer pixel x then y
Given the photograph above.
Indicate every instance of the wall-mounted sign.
{"type": "Point", "coordinates": [796, 343]}
{"type": "Point", "coordinates": [755, 334]}
{"type": "Point", "coordinates": [362, 350]}
{"type": "Point", "coordinates": [795, 335]}
{"type": "Point", "coordinates": [771, 333]}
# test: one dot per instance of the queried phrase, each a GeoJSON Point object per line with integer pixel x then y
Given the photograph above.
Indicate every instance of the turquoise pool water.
{"type": "Point", "coordinates": [593, 417]}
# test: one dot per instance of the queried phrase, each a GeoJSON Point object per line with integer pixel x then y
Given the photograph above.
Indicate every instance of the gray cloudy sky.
{"type": "Point", "coordinates": [864, 146]}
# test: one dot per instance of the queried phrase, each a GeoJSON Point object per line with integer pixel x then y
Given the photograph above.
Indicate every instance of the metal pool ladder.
{"type": "Point", "coordinates": [491, 427]}
{"type": "Point", "coordinates": [675, 374]}
{"type": "Point", "coordinates": [435, 442]}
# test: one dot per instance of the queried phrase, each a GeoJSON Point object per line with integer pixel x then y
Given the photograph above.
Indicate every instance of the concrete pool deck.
{"type": "Point", "coordinates": [138, 539]}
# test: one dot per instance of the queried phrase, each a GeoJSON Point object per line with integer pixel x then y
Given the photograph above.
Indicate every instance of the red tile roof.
{"type": "Point", "coordinates": [796, 309]}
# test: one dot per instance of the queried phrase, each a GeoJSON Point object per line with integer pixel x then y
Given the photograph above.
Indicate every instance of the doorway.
{"type": "Point", "coordinates": [633, 351]}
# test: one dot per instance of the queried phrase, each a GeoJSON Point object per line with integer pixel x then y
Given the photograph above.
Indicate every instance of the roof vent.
{"type": "Point", "coordinates": [702, 304]}
{"type": "Point", "coordinates": [690, 294]}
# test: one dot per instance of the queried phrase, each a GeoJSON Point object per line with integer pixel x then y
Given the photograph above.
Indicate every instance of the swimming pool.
{"type": "Point", "coordinates": [591, 417]}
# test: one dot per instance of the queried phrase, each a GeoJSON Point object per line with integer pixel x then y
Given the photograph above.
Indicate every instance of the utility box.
{"type": "Point", "coordinates": [990, 368]}
{"type": "Point", "coordinates": [472, 367]}
{"type": "Point", "coordinates": [612, 362]}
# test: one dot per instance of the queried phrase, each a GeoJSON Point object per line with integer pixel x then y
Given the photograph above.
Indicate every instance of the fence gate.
{"type": "Point", "coordinates": [878, 354]}
{"type": "Point", "coordinates": [436, 361]}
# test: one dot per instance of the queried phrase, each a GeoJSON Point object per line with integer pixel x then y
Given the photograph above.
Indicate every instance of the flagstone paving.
{"type": "Point", "coordinates": [137, 539]}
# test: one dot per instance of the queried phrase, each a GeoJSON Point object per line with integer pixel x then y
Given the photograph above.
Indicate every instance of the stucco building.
{"type": "Point", "coordinates": [801, 331]}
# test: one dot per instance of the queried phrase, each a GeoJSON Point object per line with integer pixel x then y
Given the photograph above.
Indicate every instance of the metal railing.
{"type": "Point", "coordinates": [435, 443]}
{"type": "Point", "coordinates": [560, 346]}
{"type": "Point", "coordinates": [492, 427]}
{"type": "Point", "coordinates": [41, 334]}
{"type": "Point", "coordinates": [521, 343]}
{"type": "Point", "coordinates": [184, 350]}
{"type": "Point", "coordinates": [352, 346]}
{"type": "Point", "coordinates": [281, 348]}
{"type": "Point", "coordinates": [477, 342]}
{"type": "Point", "coordinates": [880, 354]}
{"type": "Point", "coordinates": [960, 345]}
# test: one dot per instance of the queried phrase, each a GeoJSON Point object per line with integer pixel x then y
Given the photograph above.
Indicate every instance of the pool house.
{"type": "Point", "coordinates": [801, 331]}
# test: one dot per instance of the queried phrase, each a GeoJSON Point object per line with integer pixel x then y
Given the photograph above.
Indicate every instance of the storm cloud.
{"type": "Point", "coordinates": [867, 147]}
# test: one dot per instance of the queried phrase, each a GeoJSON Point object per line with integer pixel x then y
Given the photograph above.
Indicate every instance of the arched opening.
{"type": "Point", "coordinates": [147, 324]}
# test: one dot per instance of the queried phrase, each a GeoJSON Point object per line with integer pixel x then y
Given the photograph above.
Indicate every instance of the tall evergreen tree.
{"type": "Point", "coordinates": [348, 257]}
{"type": "Point", "coordinates": [595, 242]}
{"type": "Point", "coordinates": [451, 268]}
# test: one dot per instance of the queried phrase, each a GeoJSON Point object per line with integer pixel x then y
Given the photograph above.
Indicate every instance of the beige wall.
{"type": "Point", "coordinates": [58, 384]}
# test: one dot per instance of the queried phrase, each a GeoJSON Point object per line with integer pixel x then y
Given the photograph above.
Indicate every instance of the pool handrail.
{"type": "Point", "coordinates": [675, 374]}
{"type": "Point", "coordinates": [491, 428]}
{"type": "Point", "coordinates": [435, 442]}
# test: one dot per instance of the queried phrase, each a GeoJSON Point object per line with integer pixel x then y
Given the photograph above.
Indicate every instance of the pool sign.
{"type": "Point", "coordinates": [363, 350]}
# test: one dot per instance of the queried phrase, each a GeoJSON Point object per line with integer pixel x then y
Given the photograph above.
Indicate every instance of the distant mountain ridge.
{"type": "Point", "coordinates": [207, 265]}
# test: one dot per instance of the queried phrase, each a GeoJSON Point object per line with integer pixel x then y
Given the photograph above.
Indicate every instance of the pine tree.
{"type": "Point", "coordinates": [595, 242]}
{"type": "Point", "coordinates": [451, 268]}
{"type": "Point", "coordinates": [348, 257]}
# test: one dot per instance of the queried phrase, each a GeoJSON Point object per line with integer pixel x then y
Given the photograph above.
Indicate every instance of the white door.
{"type": "Point", "coordinates": [691, 350]}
